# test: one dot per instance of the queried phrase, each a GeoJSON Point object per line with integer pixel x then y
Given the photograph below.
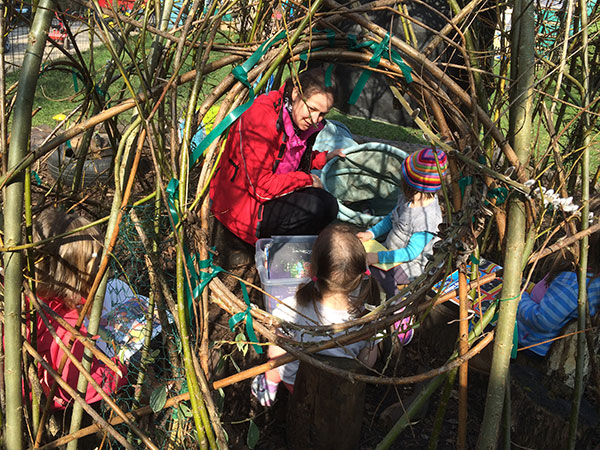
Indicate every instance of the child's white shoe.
{"type": "Point", "coordinates": [264, 390]}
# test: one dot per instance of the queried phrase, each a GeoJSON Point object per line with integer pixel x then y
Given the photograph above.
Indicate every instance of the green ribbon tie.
{"type": "Point", "coordinates": [328, 73]}
{"type": "Point", "coordinates": [500, 193]}
{"type": "Point", "coordinates": [240, 73]}
{"type": "Point", "coordinates": [75, 84]}
{"type": "Point", "coordinates": [200, 279]}
{"type": "Point", "coordinates": [515, 346]}
{"type": "Point", "coordinates": [378, 49]}
{"type": "Point", "coordinates": [237, 318]}
{"type": "Point", "coordinates": [37, 178]}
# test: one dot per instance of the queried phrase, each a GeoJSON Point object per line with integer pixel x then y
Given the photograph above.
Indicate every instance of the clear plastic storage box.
{"type": "Point", "coordinates": [282, 263]}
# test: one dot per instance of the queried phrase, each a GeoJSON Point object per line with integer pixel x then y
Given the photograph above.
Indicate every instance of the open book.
{"type": "Point", "coordinates": [374, 246]}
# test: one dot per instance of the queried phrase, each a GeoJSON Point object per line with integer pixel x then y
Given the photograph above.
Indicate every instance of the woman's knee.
{"type": "Point", "coordinates": [323, 202]}
{"type": "Point", "coordinates": [326, 205]}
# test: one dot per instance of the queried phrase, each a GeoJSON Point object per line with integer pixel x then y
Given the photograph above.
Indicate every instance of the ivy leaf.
{"type": "Point", "coordinates": [242, 345]}
{"type": "Point", "coordinates": [187, 412]}
{"type": "Point", "coordinates": [158, 398]}
{"type": "Point", "coordinates": [220, 364]}
{"type": "Point", "coordinates": [253, 435]}
{"type": "Point", "coordinates": [220, 400]}
{"type": "Point", "coordinates": [235, 365]}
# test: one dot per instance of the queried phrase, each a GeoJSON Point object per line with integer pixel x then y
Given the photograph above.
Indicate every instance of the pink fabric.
{"type": "Point", "coordinates": [296, 143]}
{"type": "Point", "coordinates": [539, 290]}
{"type": "Point", "coordinates": [53, 354]}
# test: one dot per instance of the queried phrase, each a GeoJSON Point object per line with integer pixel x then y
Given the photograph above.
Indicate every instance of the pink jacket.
{"type": "Point", "coordinates": [53, 354]}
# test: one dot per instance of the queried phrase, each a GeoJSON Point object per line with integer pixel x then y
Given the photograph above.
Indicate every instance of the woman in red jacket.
{"type": "Point", "coordinates": [263, 186]}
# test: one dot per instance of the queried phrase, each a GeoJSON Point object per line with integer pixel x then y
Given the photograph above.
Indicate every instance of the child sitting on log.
{"type": "Point", "coordinates": [553, 301]}
{"type": "Point", "coordinates": [411, 227]}
{"type": "Point", "coordinates": [64, 272]}
{"type": "Point", "coordinates": [341, 284]}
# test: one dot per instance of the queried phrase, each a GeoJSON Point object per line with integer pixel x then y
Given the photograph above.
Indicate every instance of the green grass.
{"type": "Point", "coordinates": [56, 94]}
{"type": "Point", "coordinates": [379, 129]}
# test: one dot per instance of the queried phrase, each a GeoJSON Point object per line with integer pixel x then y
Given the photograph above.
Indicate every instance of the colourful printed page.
{"type": "Point", "coordinates": [373, 246]}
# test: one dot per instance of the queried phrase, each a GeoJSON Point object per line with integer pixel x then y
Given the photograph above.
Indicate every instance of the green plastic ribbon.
{"type": "Point", "coordinates": [352, 41]}
{"type": "Point", "coordinates": [500, 193]}
{"type": "Point", "coordinates": [75, 84]}
{"type": "Point", "coordinates": [515, 346]}
{"type": "Point", "coordinates": [330, 36]}
{"type": "Point", "coordinates": [328, 73]}
{"type": "Point", "coordinates": [200, 279]}
{"type": "Point", "coordinates": [378, 51]}
{"type": "Point", "coordinates": [240, 73]}
{"type": "Point", "coordinates": [237, 318]}
{"type": "Point", "coordinates": [37, 178]}
{"type": "Point", "coordinates": [206, 276]}
{"type": "Point", "coordinates": [172, 188]}
{"type": "Point", "coordinates": [354, 45]}
{"type": "Point", "coordinates": [463, 183]}
{"type": "Point", "coordinates": [366, 74]}
{"type": "Point", "coordinates": [101, 92]}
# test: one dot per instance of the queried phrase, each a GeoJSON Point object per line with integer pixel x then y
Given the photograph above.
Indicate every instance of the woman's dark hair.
{"type": "Point", "coordinates": [338, 265]}
{"type": "Point", "coordinates": [313, 81]}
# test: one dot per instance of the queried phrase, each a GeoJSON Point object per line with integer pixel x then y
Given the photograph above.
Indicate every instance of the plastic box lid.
{"type": "Point", "coordinates": [283, 257]}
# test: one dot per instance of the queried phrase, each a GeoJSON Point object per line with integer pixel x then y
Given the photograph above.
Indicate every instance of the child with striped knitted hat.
{"type": "Point", "coordinates": [412, 225]}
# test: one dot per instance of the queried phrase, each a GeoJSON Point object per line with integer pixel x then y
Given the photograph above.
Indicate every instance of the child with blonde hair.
{"type": "Point", "coordinates": [64, 272]}
{"type": "Point", "coordinates": [340, 286]}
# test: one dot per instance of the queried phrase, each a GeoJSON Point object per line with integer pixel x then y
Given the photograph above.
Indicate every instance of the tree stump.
{"type": "Point", "coordinates": [562, 357]}
{"type": "Point", "coordinates": [540, 419]}
{"type": "Point", "coordinates": [326, 410]}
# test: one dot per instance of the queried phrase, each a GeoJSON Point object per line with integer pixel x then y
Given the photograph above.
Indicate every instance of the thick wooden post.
{"type": "Point", "coordinates": [326, 410]}
{"type": "Point", "coordinates": [562, 356]}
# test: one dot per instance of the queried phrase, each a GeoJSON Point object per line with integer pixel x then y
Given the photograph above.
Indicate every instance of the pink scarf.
{"type": "Point", "coordinates": [295, 144]}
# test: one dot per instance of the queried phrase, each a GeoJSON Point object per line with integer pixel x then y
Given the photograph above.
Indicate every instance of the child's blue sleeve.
{"type": "Point", "coordinates": [382, 227]}
{"type": "Point", "coordinates": [415, 247]}
{"type": "Point", "coordinates": [556, 308]}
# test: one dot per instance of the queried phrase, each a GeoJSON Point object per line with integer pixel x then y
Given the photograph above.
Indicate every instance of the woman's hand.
{"type": "Point", "coordinates": [372, 258]}
{"type": "Point", "coordinates": [337, 152]}
{"type": "Point", "coordinates": [316, 181]}
{"type": "Point", "coordinates": [365, 236]}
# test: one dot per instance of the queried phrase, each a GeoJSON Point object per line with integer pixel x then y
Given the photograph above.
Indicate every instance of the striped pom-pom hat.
{"type": "Point", "coordinates": [420, 171]}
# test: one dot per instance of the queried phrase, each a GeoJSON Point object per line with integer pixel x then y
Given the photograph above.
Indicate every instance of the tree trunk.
{"type": "Point", "coordinates": [326, 410]}
{"type": "Point", "coordinates": [13, 210]}
{"type": "Point", "coordinates": [522, 74]}
{"type": "Point", "coordinates": [541, 417]}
